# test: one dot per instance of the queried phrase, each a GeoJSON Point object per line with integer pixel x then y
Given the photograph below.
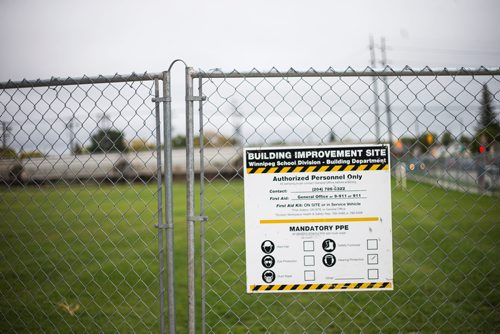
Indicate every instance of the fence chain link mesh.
{"type": "Point", "coordinates": [78, 201]}
{"type": "Point", "coordinates": [445, 218]}
{"type": "Point", "coordinates": [80, 194]}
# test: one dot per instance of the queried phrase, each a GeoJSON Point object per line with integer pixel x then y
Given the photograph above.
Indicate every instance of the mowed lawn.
{"type": "Point", "coordinates": [85, 259]}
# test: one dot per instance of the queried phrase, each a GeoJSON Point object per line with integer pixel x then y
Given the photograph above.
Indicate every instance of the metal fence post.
{"type": "Point", "coordinates": [190, 199]}
{"type": "Point", "coordinates": [160, 207]}
{"type": "Point", "coordinates": [202, 208]}
{"type": "Point", "coordinates": [167, 141]}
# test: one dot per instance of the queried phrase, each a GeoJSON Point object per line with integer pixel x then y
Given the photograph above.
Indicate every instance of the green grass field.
{"type": "Point", "coordinates": [97, 247]}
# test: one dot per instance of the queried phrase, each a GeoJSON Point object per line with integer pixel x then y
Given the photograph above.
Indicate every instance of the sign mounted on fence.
{"type": "Point", "coordinates": [318, 218]}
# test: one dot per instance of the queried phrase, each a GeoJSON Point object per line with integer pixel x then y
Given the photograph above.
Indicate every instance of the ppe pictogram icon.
{"type": "Point", "coordinates": [267, 247]}
{"type": "Point", "coordinates": [268, 261]}
{"type": "Point", "coordinates": [328, 245]}
{"type": "Point", "coordinates": [329, 260]}
{"type": "Point", "coordinates": [268, 276]}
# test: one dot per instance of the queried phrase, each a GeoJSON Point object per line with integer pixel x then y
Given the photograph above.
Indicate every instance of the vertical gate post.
{"type": "Point", "coordinates": [167, 141]}
{"type": "Point", "coordinates": [160, 206]}
{"type": "Point", "coordinates": [190, 199]}
{"type": "Point", "coordinates": [202, 207]}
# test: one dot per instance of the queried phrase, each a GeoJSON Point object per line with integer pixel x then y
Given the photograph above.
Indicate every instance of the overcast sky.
{"type": "Point", "coordinates": [61, 38]}
{"type": "Point", "coordinates": [40, 39]}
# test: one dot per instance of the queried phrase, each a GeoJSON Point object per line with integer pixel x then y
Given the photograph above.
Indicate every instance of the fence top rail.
{"type": "Point", "coordinates": [254, 73]}
{"type": "Point", "coordinates": [84, 80]}
{"type": "Point", "coordinates": [349, 72]}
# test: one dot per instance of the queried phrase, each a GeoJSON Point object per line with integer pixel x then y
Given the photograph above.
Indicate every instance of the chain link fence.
{"type": "Point", "coordinates": [81, 191]}
{"type": "Point", "coordinates": [445, 216]}
{"type": "Point", "coordinates": [78, 201]}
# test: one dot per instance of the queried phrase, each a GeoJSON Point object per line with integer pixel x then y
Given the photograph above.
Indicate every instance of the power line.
{"type": "Point", "coordinates": [70, 125]}
{"type": "Point", "coordinates": [104, 121]}
{"type": "Point", "coordinates": [6, 128]}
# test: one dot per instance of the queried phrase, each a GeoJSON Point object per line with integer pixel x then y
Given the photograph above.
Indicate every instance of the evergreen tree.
{"type": "Point", "coordinates": [488, 126]}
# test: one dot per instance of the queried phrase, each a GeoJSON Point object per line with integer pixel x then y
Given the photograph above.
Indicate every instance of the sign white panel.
{"type": "Point", "coordinates": [318, 218]}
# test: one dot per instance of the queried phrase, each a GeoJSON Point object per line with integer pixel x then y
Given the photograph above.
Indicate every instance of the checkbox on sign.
{"type": "Point", "coordinates": [372, 258]}
{"type": "Point", "coordinates": [308, 246]}
{"type": "Point", "coordinates": [372, 273]}
{"type": "Point", "coordinates": [309, 275]}
{"type": "Point", "coordinates": [372, 244]}
{"type": "Point", "coordinates": [309, 260]}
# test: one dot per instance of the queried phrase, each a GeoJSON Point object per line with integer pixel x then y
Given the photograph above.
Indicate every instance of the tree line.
{"type": "Point", "coordinates": [113, 140]}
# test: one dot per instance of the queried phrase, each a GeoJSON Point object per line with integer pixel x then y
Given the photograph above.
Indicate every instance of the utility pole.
{"type": "Point", "coordinates": [238, 122]}
{"type": "Point", "coordinates": [375, 90]}
{"type": "Point", "coordinates": [6, 128]}
{"type": "Point", "coordinates": [104, 121]}
{"type": "Point", "coordinates": [387, 101]}
{"type": "Point", "coordinates": [70, 126]}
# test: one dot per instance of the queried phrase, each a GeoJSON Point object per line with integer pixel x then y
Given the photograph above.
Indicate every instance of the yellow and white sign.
{"type": "Point", "coordinates": [318, 218]}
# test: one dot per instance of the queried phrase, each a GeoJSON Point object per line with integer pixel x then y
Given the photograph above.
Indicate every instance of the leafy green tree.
{"type": "Point", "coordinates": [426, 140]}
{"type": "Point", "coordinates": [31, 154]}
{"type": "Point", "coordinates": [140, 144]}
{"type": "Point", "coordinates": [78, 149]}
{"type": "Point", "coordinates": [209, 140]}
{"type": "Point", "coordinates": [446, 139]}
{"type": "Point", "coordinates": [465, 140]}
{"type": "Point", "coordinates": [7, 153]}
{"type": "Point", "coordinates": [409, 141]}
{"type": "Point", "coordinates": [107, 140]}
{"type": "Point", "coordinates": [179, 141]}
